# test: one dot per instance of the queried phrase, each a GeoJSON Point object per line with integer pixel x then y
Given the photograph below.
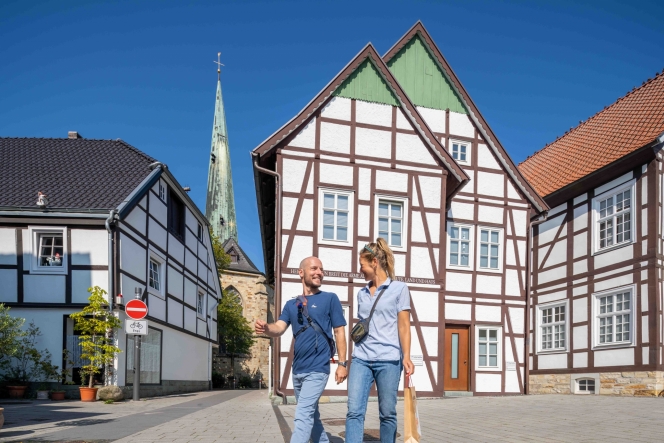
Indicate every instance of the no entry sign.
{"type": "Point", "coordinates": [136, 309]}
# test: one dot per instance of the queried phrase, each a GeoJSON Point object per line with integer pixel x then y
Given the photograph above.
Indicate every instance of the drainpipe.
{"type": "Point", "coordinates": [109, 223]}
{"type": "Point", "coordinates": [277, 271]}
{"type": "Point", "coordinates": [531, 224]}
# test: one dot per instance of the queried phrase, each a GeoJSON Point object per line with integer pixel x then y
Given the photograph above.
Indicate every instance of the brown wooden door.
{"type": "Point", "coordinates": [457, 363]}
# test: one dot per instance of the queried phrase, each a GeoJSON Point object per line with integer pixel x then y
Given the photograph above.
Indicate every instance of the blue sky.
{"type": "Point", "coordinates": [143, 71]}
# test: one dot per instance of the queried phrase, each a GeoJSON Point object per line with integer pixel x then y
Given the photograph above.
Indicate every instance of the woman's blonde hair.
{"type": "Point", "coordinates": [383, 254]}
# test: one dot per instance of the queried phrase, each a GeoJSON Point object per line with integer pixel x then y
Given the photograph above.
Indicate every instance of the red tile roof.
{"type": "Point", "coordinates": [630, 123]}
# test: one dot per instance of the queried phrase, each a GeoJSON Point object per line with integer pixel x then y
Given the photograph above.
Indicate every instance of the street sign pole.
{"type": "Point", "coordinates": [137, 358]}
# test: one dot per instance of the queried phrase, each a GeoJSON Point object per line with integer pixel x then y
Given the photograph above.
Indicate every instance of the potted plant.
{"type": "Point", "coordinates": [10, 335]}
{"type": "Point", "coordinates": [16, 380]}
{"type": "Point", "coordinates": [27, 362]}
{"type": "Point", "coordinates": [96, 325]}
{"type": "Point", "coordinates": [44, 372]}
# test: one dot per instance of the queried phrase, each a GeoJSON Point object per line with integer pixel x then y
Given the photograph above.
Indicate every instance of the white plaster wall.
{"type": "Point", "coordinates": [156, 307]}
{"type": "Point", "coordinates": [190, 220]}
{"type": "Point", "coordinates": [433, 221]}
{"type": "Point", "coordinates": [399, 264]}
{"type": "Point", "coordinates": [548, 229]}
{"type": "Point", "coordinates": [306, 220]}
{"type": "Point", "coordinates": [457, 311]}
{"type": "Point", "coordinates": [517, 318]}
{"type": "Point", "coordinates": [435, 118]}
{"type": "Point", "coordinates": [461, 211]}
{"type": "Point", "coordinates": [552, 361]}
{"type": "Point", "coordinates": [558, 295]}
{"type": "Point", "coordinates": [485, 158]}
{"type": "Point", "coordinates": [306, 138]}
{"type": "Point", "coordinates": [8, 286]}
{"type": "Point", "coordinates": [202, 271]}
{"type": "Point", "coordinates": [615, 256]}
{"type": "Point", "coordinates": [341, 291]}
{"type": "Point", "coordinates": [289, 205]}
{"type": "Point", "coordinates": [175, 249]}
{"type": "Point", "coordinates": [417, 227]}
{"type": "Point", "coordinates": [363, 220]}
{"type": "Point", "coordinates": [335, 259]}
{"type": "Point", "coordinates": [293, 174]}
{"type": "Point", "coordinates": [373, 113]}
{"type": "Point", "coordinates": [460, 124]}
{"type": "Point", "coordinates": [488, 284]}
{"type": "Point", "coordinates": [337, 108]}
{"type": "Point", "coordinates": [430, 187]}
{"type": "Point", "coordinates": [551, 275]}
{"type": "Point", "coordinates": [580, 245]}
{"type": "Point", "coordinates": [580, 218]}
{"type": "Point", "coordinates": [175, 312]}
{"type": "Point", "coordinates": [159, 236]}
{"type": "Point", "coordinates": [373, 143]}
{"type": "Point", "coordinates": [128, 284]}
{"type": "Point", "coordinates": [420, 263]}
{"type": "Point", "coordinates": [336, 174]}
{"type": "Point", "coordinates": [402, 121]}
{"type": "Point", "coordinates": [430, 337]}
{"type": "Point", "coordinates": [190, 292]}
{"type": "Point", "coordinates": [335, 138]}
{"type": "Point", "coordinates": [512, 192]}
{"type": "Point", "coordinates": [190, 319]}
{"type": "Point", "coordinates": [520, 223]}
{"type": "Point", "coordinates": [426, 305]}
{"type": "Point", "coordinates": [7, 246]}
{"type": "Point", "coordinates": [490, 214]}
{"type": "Point", "coordinates": [132, 257]}
{"type": "Point", "coordinates": [487, 313]}
{"type": "Point", "coordinates": [458, 281]}
{"type": "Point", "coordinates": [43, 288]}
{"type": "Point", "coordinates": [580, 334]}
{"type": "Point", "coordinates": [614, 282]}
{"type": "Point", "coordinates": [411, 149]}
{"type": "Point", "coordinates": [487, 382]}
{"type": "Point", "coordinates": [558, 254]}
{"type": "Point", "coordinates": [421, 377]}
{"type": "Point", "coordinates": [579, 309]}
{"type": "Point", "coordinates": [183, 357]}
{"type": "Point", "coordinates": [491, 184]}
{"type": "Point", "coordinates": [190, 262]}
{"type": "Point", "coordinates": [512, 381]}
{"type": "Point", "coordinates": [580, 360]}
{"type": "Point", "coordinates": [512, 286]}
{"type": "Point", "coordinates": [364, 185]}
{"type": "Point", "coordinates": [158, 209]}
{"type": "Point", "coordinates": [82, 280]}
{"type": "Point", "coordinates": [615, 357]}
{"type": "Point", "coordinates": [391, 181]}
{"type": "Point", "coordinates": [89, 247]}
{"type": "Point", "coordinates": [175, 282]}
{"type": "Point", "coordinates": [49, 321]}
{"type": "Point", "coordinates": [302, 247]}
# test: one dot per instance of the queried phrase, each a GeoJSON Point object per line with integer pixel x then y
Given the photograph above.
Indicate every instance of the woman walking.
{"type": "Point", "coordinates": [385, 350]}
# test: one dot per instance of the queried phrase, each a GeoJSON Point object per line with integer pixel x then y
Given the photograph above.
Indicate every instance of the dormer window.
{"type": "Point", "coordinates": [235, 257]}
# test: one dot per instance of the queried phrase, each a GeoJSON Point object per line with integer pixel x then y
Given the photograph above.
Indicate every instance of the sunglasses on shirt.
{"type": "Point", "coordinates": [300, 320]}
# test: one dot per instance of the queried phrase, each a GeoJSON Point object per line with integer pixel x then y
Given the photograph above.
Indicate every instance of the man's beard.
{"type": "Point", "coordinates": [313, 284]}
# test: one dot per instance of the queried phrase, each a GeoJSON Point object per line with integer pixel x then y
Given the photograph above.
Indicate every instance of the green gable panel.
{"type": "Point", "coordinates": [421, 78]}
{"type": "Point", "coordinates": [366, 84]}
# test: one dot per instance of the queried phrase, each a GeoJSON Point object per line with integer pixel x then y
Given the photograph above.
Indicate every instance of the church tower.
{"type": "Point", "coordinates": [220, 203]}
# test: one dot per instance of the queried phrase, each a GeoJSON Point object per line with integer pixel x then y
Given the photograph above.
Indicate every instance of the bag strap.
{"type": "Point", "coordinates": [373, 308]}
{"type": "Point", "coordinates": [316, 326]}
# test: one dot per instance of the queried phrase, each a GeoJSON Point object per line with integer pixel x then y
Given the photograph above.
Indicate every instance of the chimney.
{"type": "Point", "coordinates": [73, 134]}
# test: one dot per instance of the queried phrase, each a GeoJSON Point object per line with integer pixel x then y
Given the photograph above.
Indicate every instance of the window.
{"type": "Point", "coordinates": [335, 221]}
{"type": "Point", "coordinates": [460, 151]}
{"type": "Point", "coordinates": [613, 318]}
{"type": "Point", "coordinates": [552, 322]}
{"type": "Point", "coordinates": [200, 304]}
{"type": "Point", "coordinates": [176, 216]}
{"type": "Point", "coordinates": [200, 232]}
{"type": "Point", "coordinates": [459, 247]}
{"type": "Point", "coordinates": [156, 273]}
{"type": "Point", "coordinates": [162, 192]}
{"type": "Point", "coordinates": [613, 218]}
{"type": "Point", "coordinates": [151, 345]}
{"type": "Point", "coordinates": [488, 350]}
{"type": "Point", "coordinates": [49, 250]}
{"type": "Point", "coordinates": [390, 226]}
{"type": "Point", "coordinates": [585, 386]}
{"type": "Point", "coordinates": [490, 251]}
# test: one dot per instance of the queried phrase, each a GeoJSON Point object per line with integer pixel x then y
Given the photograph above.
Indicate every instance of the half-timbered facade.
{"type": "Point", "coordinates": [115, 218]}
{"type": "Point", "coordinates": [596, 318]}
{"type": "Point", "coordinates": [393, 146]}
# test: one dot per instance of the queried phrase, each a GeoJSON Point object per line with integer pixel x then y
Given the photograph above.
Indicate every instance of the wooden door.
{"type": "Point", "coordinates": [457, 363]}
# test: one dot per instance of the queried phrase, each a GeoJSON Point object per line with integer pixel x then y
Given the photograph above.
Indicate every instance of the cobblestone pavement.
{"type": "Point", "coordinates": [248, 416]}
{"type": "Point", "coordinates": [534, 418]}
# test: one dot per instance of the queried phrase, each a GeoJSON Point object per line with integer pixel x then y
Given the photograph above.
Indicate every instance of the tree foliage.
{"type": "Point", "coordinates": [223, 260]}
{"type": "Point", "coordinates": [10, 334]}
{"type": "Point", "coordinates": [235, 333]}
{"type": "Point", "coordinates": [96, 325]}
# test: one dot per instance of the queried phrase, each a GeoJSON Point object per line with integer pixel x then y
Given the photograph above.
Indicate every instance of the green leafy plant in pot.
{"type": "Point", "coordinates": [96, 324]}
{"type": "Point", "coordinates": [10, 335]}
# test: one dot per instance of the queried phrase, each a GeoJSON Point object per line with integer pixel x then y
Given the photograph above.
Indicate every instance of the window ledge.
{"type": "Point", "coordinates": [612, 248]}
{"type": "Point", "coordinates": [156, 293]}
{"type": "Point", "coordinates": [553, 351]}
{"type": "Point", "coordinates": [460, 268]}
{"type": "Point", "coordinates": [491, 369]}
{"type": "Point", "coordinates": [340, 243]}
{"type": "Point", "coordinates": [490, 271]}
{"type": "Point", "coordinates": [613, 346]}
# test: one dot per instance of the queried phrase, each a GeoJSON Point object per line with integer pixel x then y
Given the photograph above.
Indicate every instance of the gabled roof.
{"type": "Point", "coordinates": [74, 173]}
{"type": "Point", "coordinates": [244, 263]}
{"type": "Point", "coordinates": [483, 127]}
{"type": "Point", "coordinates": [368, 53]}
{"type": "Point", "coordinates": [632, 122]}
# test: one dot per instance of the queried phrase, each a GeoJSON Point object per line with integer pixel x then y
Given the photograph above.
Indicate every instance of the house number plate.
{"type": "Point", "coordinates": [136, 327]}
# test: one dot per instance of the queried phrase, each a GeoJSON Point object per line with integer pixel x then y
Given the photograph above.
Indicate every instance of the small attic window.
{"type": "Point", "coordinates": [162, 192]}
{"type": "Point", "coordinates": [235, 257]}
{"type": "Point", "coordinates": [460, 151]}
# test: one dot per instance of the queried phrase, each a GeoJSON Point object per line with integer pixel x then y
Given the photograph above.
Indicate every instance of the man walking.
{"type": "Point", "coordinates": [313, 315]}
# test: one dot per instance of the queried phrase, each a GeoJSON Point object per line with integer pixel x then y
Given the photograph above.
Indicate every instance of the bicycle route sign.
{"type": "Point", "coordinates": [136, 327]}
{"type": "Point", "coordinates": [136, 309]}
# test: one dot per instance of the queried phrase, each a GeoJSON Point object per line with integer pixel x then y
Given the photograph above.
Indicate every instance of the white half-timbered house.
{"type": "Point", "coordinates": [393, 146]}
{"type": "Point", "coordinates": [597, 258]}
{"type": "Point", "coordinates": [114, 218]}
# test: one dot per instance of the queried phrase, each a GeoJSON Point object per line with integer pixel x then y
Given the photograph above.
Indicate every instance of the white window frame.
{"type": "Point", "coordinates": [500, 348]}
{"type": "Point", "coordinates": [539, 324]}
{"type": "Point", "coordinates": [157, 257]}
{"type": "Point", "coordinates": [161, 191]}
{"type": "Point", "coordinates": [633, 312]}
{"type": "Point", "coordinates": [200, 291]}
{"type": "Point", "coordinates": [501, 248]}
{"type": "Point", "coordinates": [34, 233]}
{"type": "Point", "coordinates": [471, 249]}
{"type": "Point", "coordinates": [468, 146]}
{"type": "Point", "coordinates": [351, 217]}
{"type": "Point", "coordinates": [631, 185]}
{"type": "Point", "coordinates": [404, 219]}
{"type": "Point", "coordinates": [576, 378]}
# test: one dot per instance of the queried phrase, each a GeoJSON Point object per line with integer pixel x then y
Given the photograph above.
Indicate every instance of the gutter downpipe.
{"type": "Point", "coordinates": [111, 290]}
{"type": "Point", "coordinates": [531, 224]}
{"type": "Point", "coordinates": [277, 271]}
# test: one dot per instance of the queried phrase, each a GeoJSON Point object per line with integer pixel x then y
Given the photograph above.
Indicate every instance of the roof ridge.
{"type": "Point", "coordinates": [584, 122]}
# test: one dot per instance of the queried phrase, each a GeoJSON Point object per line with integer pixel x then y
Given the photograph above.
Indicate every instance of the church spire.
{"type": "Point", "coordinates": [220, 203]}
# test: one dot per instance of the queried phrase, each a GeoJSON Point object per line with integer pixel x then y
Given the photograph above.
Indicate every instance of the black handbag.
{"type": "Point", "coordinates": [361, 329]}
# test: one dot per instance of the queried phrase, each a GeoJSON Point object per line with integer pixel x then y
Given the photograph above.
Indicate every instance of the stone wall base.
{"type": "Point", "coordinates": [167, 387]}
{"type": "Point", "coordinates": [626, 384]}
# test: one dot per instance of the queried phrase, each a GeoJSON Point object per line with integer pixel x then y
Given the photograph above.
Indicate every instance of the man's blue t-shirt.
{"type": "Point", "coordinates": [312, 352]}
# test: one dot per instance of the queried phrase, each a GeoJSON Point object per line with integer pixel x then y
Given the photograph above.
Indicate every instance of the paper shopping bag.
{"type": "Point", "coordinates": [412, 432]}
